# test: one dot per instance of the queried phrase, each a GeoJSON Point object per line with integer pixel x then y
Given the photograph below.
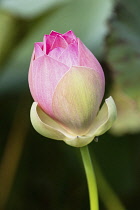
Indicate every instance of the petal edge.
{"type": "Point", "coordinates": [105, 118]}
{"type": "Point", "coordinates": [43, 128]}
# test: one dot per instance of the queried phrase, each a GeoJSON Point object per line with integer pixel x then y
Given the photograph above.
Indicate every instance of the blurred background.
{"type": "Point", "coordinates": [39, 173]}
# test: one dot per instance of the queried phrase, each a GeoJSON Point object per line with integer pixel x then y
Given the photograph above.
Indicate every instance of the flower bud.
{"type": "Point", "coordinates": [67, 84]}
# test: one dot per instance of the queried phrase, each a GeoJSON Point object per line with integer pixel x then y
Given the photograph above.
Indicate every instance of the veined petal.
{"type": "Point", "coordinates": [38, 46]}
{"type": "Point", "coordinates": [30, 71]}
{"type": "Point", "coordinates": [70, 55]}
{"type": "Point", "coordinates": [42, 86]}
{"type": "Point", "coordinates": [49, 128]}
{"type": "Point", "coordinates": [47, 43]}
{"type": "Point", "coordinates": [56, 53]}
{"type": "Point", "coordinates": [87, 59]}
{"type": "Point", "coordinates": [105, 118]}
{"type": "Point", "coordinates": [45, 125]}
{"type": "Point", "coordinates": [77, 98]}
{"type": "Point", "coordinates": [69, 36]}
{"type": "Point", "coordinates": [59, 41]}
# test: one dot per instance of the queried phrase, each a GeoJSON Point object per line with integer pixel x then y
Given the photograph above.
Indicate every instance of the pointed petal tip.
{"type": "Point", "coordinates": [70, 34]}
{"type": "Point", "coordinates": [111, 107]}
{"type": "Point", "coordinates": [54, 33]}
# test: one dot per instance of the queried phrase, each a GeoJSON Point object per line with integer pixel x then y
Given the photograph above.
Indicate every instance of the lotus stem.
{"type": "Point", "coordinates": [91, 180]}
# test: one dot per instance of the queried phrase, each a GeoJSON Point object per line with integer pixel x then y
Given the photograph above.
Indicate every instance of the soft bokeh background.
{"type": "Point", "coordinates": [38, 173]}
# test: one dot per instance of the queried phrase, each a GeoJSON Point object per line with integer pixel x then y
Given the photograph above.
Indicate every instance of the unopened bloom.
{"type": "Point", "coordinates": [67, 84]}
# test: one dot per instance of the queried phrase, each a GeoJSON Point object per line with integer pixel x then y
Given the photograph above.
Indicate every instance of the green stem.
{"type": "Point", "coordinates": [91, 180]}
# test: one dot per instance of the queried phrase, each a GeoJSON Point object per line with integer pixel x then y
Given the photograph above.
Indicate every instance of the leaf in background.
{"type": "Point", "coordinates": [7, 26]}
{"type": "Point", "coordinates": [125, 62]}
{"type": "Point", "coordinates": [28, 8]}
{"type": "Point", "coordinates": [127, 24]}
{"type": "Point", "coordinates": [128, 120]}
{"type": "Point", "coordinates": [124, 58]}
{"type": "Point", "coordinates": [87, 18]}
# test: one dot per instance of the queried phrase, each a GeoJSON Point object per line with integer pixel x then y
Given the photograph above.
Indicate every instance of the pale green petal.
{"type": "Point", "coordinates": [103, 122]}
{"type": "Point", "coordinates": [105, 118]}
{"type": "Point", "coordinates": [77, 98]}
{"type": "Point", "coordinates": [45, 125]}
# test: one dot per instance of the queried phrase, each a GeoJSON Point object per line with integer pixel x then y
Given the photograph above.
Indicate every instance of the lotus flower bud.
{"type": "Point", "coordinates": [67, 84]}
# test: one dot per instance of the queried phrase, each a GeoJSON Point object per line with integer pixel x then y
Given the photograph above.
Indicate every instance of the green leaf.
{"type": "Point", "coordinates": [124, 59]}
{"type": "Point", "coordinates": [125, 62]}
{"type": "Point", "coordinates": [127, 24]}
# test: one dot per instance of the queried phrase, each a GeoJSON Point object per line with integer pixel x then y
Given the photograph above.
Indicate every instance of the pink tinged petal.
{"type": "Point", "coordinates": [41, 84]}
{"type": "Point", "coordinates": [54, 33]}
{"type": "Point", "coordinates": [30, 71]}
{"type": "Point", "coordinates": [47, 43]}
{"type": "Point", "coordinates": [69, 36]}
{"type": "Point", "coordinates": [56, 53]}
{"type": "Point", "coordinates": [77, 98]}
{"type": "Point", "coordinates": [87, 59]}
{"type": "Point", "coordinates": [38, 46]}
{"type": "Point", "coordinates": [59, 41]}
{"type": "Point", "coordinates": [70, 55]}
